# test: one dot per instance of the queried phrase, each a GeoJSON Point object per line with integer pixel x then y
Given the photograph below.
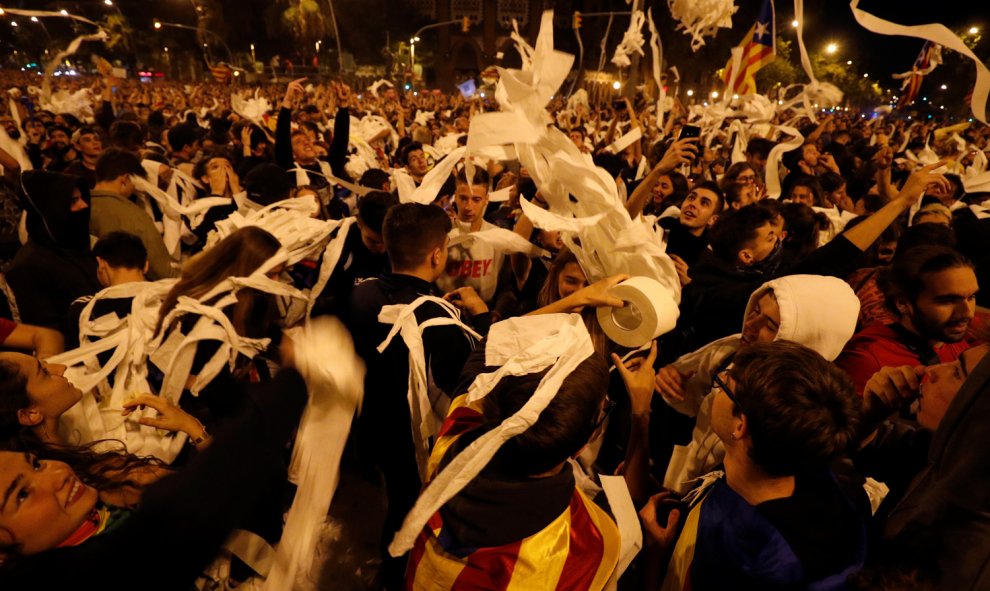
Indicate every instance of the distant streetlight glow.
{"type": "Point", "coordinates": [34, 19]}
{"type": "Point", "coordinates": [714, 94]}
{"type": "Point", "coordinates": [849, 63]}
{"type": "Point", "coordinates": [158, 25]}
{"type": "Point", "coordinates": [64, 12]}
{"type": "Point", "coordinates": [866, 75]}
{"type": "Point", "coordinates": [13, 23]}
{"type": "Point", "coordinates": [974, 30]}
{"type": "Point", "coordinates": [832, 48]}
{"type": "Point", "coordinates": [944, 87]}
{"type": "Point", "coordinates": [795, 24]}
{"type": "Point", "coordinates": [108, 2]}
{"type": "Point", "coordinates": [616, 85]}
{"type": "Point", "coordinates": [735, 97]}
{"type": "Point", "coordinates": [690, 93]}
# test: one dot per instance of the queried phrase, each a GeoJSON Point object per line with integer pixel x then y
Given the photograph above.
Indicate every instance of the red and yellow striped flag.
{"type": "Point", "coordinates": [757, 50]}
{"type": "Point", "coordinates": [221, 72]}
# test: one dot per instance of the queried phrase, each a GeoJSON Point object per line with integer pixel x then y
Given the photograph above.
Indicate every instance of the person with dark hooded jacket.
{"type": "Point", "coordinates": [56, 266]}
{"type": "Point", "coordinates": [747, 251]}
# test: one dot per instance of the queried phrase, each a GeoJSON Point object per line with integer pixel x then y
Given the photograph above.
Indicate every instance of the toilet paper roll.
{"type": "Point", "coordinates": [650, 311]}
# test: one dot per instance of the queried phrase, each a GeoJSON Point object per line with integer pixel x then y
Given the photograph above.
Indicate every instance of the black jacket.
{"type": "Point", "coordinates": [385, 418]}
{"type": "Point", "coordinates": [942, 525]}
{"type": "Point", "coordinates": [56, 266]}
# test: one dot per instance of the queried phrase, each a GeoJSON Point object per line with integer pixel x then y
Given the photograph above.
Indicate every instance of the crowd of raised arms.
{"type": "Point", "coordinates": [814, 419]}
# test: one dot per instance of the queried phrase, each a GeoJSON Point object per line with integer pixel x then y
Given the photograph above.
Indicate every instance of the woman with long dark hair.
{"type": "Point", "coordinates": [64, 511]}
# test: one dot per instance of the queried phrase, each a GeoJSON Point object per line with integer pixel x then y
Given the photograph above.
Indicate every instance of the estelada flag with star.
{"type": "Point", "coordinates": [757, 49]}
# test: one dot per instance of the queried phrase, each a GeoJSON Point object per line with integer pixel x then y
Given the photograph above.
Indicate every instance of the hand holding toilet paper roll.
{"type": "Point", "coordinates": [650, 311]}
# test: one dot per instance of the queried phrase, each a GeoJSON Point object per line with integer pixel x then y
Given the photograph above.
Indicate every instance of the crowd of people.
{"type": "Point", "coordinates": [813, 420]}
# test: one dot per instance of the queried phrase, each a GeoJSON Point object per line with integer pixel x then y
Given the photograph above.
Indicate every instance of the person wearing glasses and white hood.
{"type": "Point", "coordinates": [812, 310]}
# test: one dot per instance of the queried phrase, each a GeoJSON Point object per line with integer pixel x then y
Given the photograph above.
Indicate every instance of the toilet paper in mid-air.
{"type": "Point", "coordinates": [650, 311]}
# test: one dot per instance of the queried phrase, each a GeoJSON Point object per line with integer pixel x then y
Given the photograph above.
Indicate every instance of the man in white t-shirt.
{"type": "Point", "coordinates": [474, 263]}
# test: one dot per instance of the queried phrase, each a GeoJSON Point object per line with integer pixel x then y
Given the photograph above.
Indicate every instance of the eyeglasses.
{"type": "Point", "coordinates": [720, 383]}
{"type": "Point", "coordinates": [746, 179]}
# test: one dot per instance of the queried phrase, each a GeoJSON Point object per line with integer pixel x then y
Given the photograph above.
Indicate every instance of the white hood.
{"type": "Point", "coordinates": [816, 311]}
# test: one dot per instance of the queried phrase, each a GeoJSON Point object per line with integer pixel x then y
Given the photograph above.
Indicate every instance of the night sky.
{"type": "Point", "coordinates": [826, 21]}
{"type": "Point", "coordinates": [830, 20]}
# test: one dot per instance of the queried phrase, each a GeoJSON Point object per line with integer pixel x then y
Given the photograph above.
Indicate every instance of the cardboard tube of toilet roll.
{"type": "Point", "coordinates": [650, 311]}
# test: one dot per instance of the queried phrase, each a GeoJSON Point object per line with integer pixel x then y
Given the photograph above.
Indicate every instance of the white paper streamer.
{"type": "Point", "coordinates": [552, 222]}
{"type": "Point", "coordinates": [520, 346]}
{"type": "Point", "coordinates": [626, 517]}
{"type": "Point", "coordinates": [625, 141]}
{"type": "Point", "coordinates": [252, 109]}
{"type": "Point", "coordinates": [702, 18]}
{"type": "Point", "coordinates": [335, 393]}
{"type": "Point", "coordinates": [773, 160]}
{"type": "Point", "coordinates": [426, 420]}
{"type": "Point", "coordinates": [632, 41]}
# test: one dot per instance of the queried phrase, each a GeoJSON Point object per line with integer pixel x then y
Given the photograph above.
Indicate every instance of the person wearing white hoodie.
{"type": "Point", "coordinates": [812, 310]}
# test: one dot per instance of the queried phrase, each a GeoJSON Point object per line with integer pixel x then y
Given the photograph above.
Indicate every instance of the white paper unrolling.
{"type": "Point", "coordinates": [500, 195]}
{"type": "Point", "coordinates": [426, 192]}
{"type": "Point", "coordinates": [656, 51]}
{"type": "Point", "coordinates": [335, 393]}
{"type": "Point", "coordinates": [650, 311]}
{"type": "Point", "coordinates": [626, 517]}
{"type": "Point", "coordinates": [773, 160]}
{"type": "Point", "coordinates": [252, 109]}
{"type": "Point", "coordinates": [700, 18]}
{"type": "Point", "coordinates": [519, 346]}
{"type": "Point", "coordinates": [426, 419]}
{"type": "Point", "coordinates": [129, 340]}
{"type": "Point", "coordinates": [632, 41]}
{"type": "Point", "coordinates": [625, 141]}
{"type": "Point", "coordinates": [935, 33]}
{"type": "Point", "coordinates": [552, 222]}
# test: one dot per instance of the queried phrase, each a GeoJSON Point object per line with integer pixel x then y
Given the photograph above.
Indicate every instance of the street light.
{"type": "Point", "coordinates": [690, 93]}
{"type": "Point", "coordinates": [34, 19]}
{"type": "Point", "coordinates": [849, 63]}
{"type": "Point", "coordinates": [158, 25]}
{"type": "Point", "coordinates": [412, 55]}
{"type": "Point", "coordinates": [866, 75]}
{"type": "Point", "coordinates": [832, 48]}
{"type": "Point", "coordinates": [108, 2]}
{"type": "Point", "coordinates": [974, 30]}
{"type": "Point", "coordinates": [795, 24]}
{"type": "Point", "coordinates": [944, 87]}
{"type": "Point", "coordinates": [64, 12]}
{"type": "Point", "coordinates": [13, 23]}
{"type": "Point", "coordinates": [616, 85]}
{"type": "Point", "coordinates": [714, 94]}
